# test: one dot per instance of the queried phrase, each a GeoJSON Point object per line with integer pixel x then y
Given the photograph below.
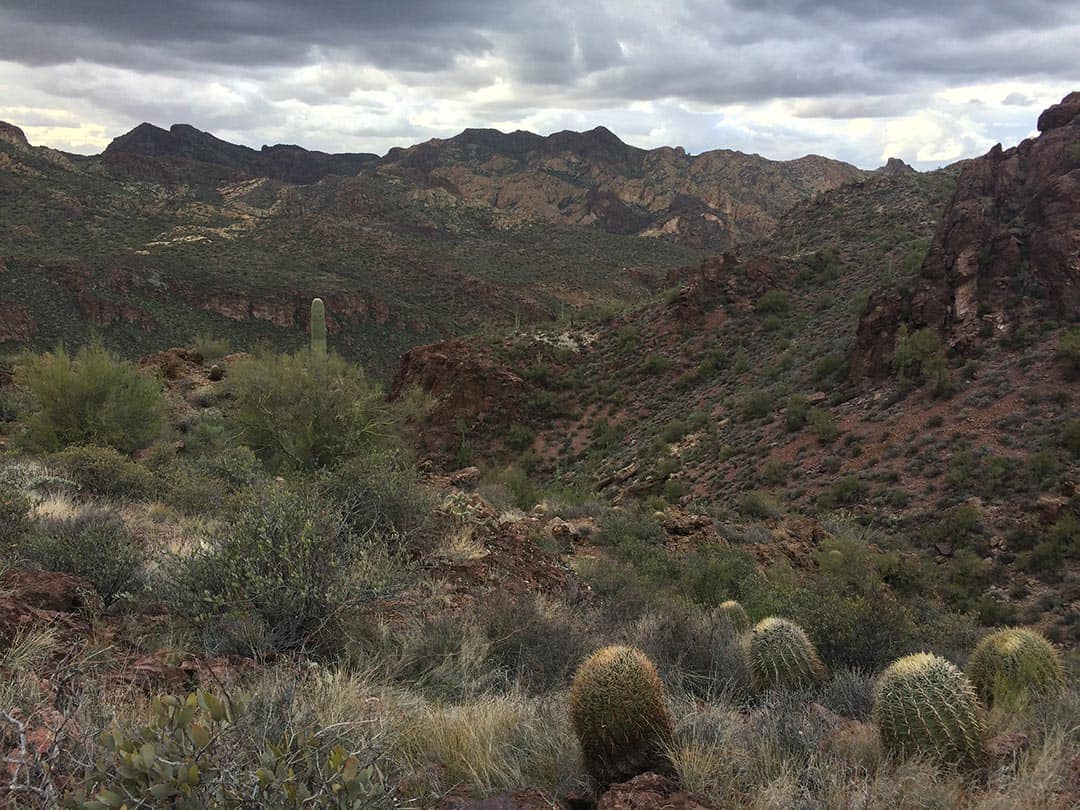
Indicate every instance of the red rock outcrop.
{"type": "Point", "coordinates": [470, 386]}
{"type": "Point", "coordinates": [1010, 235]}
{"type": "Point", "coordinates": [651, 791]}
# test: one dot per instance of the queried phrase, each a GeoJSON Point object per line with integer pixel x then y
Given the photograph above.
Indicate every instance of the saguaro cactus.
{"type": "Point", "coordinates": [924, 704]}
{"type": "Point", "coordinates": [619, 716]}
{"type": "Point", "coordinates": [318, 328]}
{"type": "Point", "coordinates": [781, 655]}
{"type": "Point", "coordinates": [1013, 666]}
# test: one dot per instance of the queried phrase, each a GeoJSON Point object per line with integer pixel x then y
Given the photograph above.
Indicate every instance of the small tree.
{"type": "Point", "coordinates": [92, 398]}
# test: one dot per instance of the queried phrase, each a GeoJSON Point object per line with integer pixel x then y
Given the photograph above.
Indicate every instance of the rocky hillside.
{"type": "Point", "coordinates": [711, 201]}
{"type": "Point", "coordinates": [749, 389]}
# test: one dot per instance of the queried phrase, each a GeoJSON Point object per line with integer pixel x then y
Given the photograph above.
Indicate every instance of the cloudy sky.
{"type": "Point", "coordinates": [929, 81]}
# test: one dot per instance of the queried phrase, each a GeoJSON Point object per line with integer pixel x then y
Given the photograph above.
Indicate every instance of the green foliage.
{"type": "Point", "coordinates": [823, 425]}
{"type": "Point", "coordinates": [781, 656]}
{"type": "Point", "coordinates": [380, 492]}
{"type": "Point", "coordinates": [772, 302]}
{"type": "Point", "coordinates": [1069, 352]}
{"type": "Point", "coordinates": [93, 544]}
{"type": "Point", "coordinates": [92, 398]}
{"type": "Point", "coordinates": [796, 413]}
{"type": "Point", "coordinates": [919, 358]}
{"type": "Point", "coordinates": [619, 715]}
{"type": "Point", "coordinates": [285, 572]}
{"type": "Point", "coordinates": [1013, 666]}
{"type": "Point", "coordinates": [14, 514]}
{"type": "Point", "coordinates": [185, 758]}
{"type": "Point", "coordinates": [756, 404]}
{"type": "Point", "coordinates": [1070, 436]}
{"type": "Point", "coordinates": [103, 472]}
{"type": "Point", "coordinates": [292, 414]}
{"type": "Point", "coordinates": [925, 705]}
{"type": "Point", "coordinates": [209, 347]}
{"type": "Point", "coordinates": [847, 491]}
{"type": "Point", "coordinates": [828, 367]}
{"type": "Point", "coordinates": [735, 615]}
{"type": "Point", "coordinates": [760, 505]}
{"type": "Point", "coordinates": [519, 437]}
{"type": "Point", "coordinates": [318, 329]}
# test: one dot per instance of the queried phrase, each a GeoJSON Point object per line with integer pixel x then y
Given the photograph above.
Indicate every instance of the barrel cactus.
{"type": "Point", "coordinates": [781, 655]}
{"type": "Point", "coordinates": [924, 704]}
{"type": "Point", "coordinates": [1013, 666]}
{"type": "Point", "coordinates": [619, 716]}
{"type": "Point", "coordinates": [318, 328]}
{"type": "Point", "coordinates": [735, 615]}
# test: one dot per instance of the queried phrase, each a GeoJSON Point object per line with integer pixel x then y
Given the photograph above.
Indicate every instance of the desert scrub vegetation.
{"type": "Point", "coordinates": [89, 398]}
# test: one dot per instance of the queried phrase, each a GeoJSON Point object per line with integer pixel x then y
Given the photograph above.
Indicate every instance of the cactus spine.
{"type": "Point", "coordinates": [318, 328]}
{"type": "Point", "coordinates": [735, 615]}
{"type": "Point", "coordinates": [619, 716]}
{"type": "Point", "coordinates": [781, 655]}
{"type": "Point", "coordinates": [1013, 666]}
{"type": "Point", "coordinates": [924, 704]}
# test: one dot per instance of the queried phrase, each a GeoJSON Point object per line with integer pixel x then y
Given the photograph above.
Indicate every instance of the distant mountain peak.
{"type": "Point", "coordinates": [894, 166]}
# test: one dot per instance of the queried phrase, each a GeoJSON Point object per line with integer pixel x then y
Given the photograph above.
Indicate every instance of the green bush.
{"type": "Point", "coordinates": [103, 472]}
{"type": "Point", "coordinates": [93, 544]}
{"type": "Point", "coordinates": [1069, 352]}
{"type": "Point", "coordinates": [14, 514]}
{"type": "Point", "coordinates": [296, 413]}
{"type": "Point", "coordinates": [823, 426]}
{"type": "Point", "coordinates": [519, 437]}
{"type": "Point", "coordinates": [287, 569]}
{"type": "Point", "coordinates": [772, 302]}
{"type": "Point", "coordinates": [380, 492]}
{"type": "Point", "coordinates": [796, 413]}
{"type": "Point", "coordinates": [919, 358]}
{"type": "Point", "coordinates": [756, 404]}
{"type": "Point", "coordinates": [92, 398]}
{"type": "Point", "coordinates": [186, 758]}
{"type": "Point", "coordinates": [760, 505]}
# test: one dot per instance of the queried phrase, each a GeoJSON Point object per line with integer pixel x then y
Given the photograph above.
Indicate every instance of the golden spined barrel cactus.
{"type": "Point", "coordinates": [619, 716]}
{"type": "Point", "coordinates": [781, 655]}
{"type": "Point", "coordinates": [1013, 666]}
{"type": "Point", "coordinates": [735, 615]}
{"type": "Point", "coordinates": [924, 704]}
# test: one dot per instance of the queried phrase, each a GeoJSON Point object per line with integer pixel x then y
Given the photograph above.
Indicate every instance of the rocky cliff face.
{"type": "Point", "coordinates": [1009, 239]}
{"type": "Point", "coordinates": [711, 200]}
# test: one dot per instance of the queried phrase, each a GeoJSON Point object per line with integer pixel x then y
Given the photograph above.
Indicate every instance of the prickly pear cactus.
{"type": "Point", "coordinates": [924, 704]}
{"type": "Point", "coordinates": [735, 615]}
{"type": "Point", "coordinates": [1013, 666]}
{"type": "Point", "coordinates": [318, 328]}
{"type": "Point", "coordinates": [781, 655]}
{"type": "Point", "coordinates": [619, 716]}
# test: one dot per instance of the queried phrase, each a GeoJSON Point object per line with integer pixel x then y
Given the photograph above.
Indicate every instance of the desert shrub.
{"type": "Point", "coordinates": [519, 437]}
{"type": "Point", "coordinates": [210, 348]}
{"type": "Point", "coordinates": [188, 487]}
{"type": "Point", "coordinates": [380, 492]}
{"type": "Point", "coordinates": [823, 425]}
{"type": "Point", "coordinates": [828, 367]}
{"type": "Point", "coordinates": [756, 404]}
{"type": "Point", "coordinates": [296, 413]}
{"type": "Point", "coordinates": [1061, 542]}
{"type": "Point", "coordinates": [287, 561]}
{"type": "Point", "coordinates": [711, 574]}
{"type": "Point", "coordinates": [91, 398]}
{"type": "Point", "coordinates": [772, 302]}
{"type": "Point", "coordinates": [14, 514]}
{"type": "Point", "coordinates": [796, 413]}
{"type": "Point", "coordinates": [235, 467]}
{"type": "Point", "coordinates": [919, 358]}
{"type": "Point", "coordinates": [103, 472]}
{"type": "Point", "coordinates": [205, 432]}
{"type": "Point", "coordinates": [93, 544]}
{"type": "Point", "coordinates": [537, 643]}
{"type": "Point", "coordinates": [447, 658]}
{"type": "Point", "coordinates": [1070, 436]}
{"type": "Point", "coordinates": [195, 752]}
{"type": "Point", "coordinates": [1069, 352]}
{"type": "Point", "coordinates": [847, 491]}
{"type": "Point", "coordinates": [760, 505]}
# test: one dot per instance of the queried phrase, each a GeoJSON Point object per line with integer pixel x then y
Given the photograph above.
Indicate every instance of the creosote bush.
{"type": "Point", "coordinates": [923, 704]}
{"type": "Point", "coordinates": [91, 398]}
{"type": "Point", "coordinates": [103, 472]}
{"type": "Point", "coordinates": [619, 715]}
{"type": "Point", "coordinates": [1013, 666]}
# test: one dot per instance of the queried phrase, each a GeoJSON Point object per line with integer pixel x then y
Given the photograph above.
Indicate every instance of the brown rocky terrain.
{"type": "Point", "coordinates": [1008, 242]}
{"type": "Point", "coordinates": [712, 200]}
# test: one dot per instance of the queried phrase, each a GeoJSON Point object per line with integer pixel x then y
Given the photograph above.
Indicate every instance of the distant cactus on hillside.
{"type": "Point", "coordinates": [318, 328]}
{"type": "Point", "coordinates": [781, 655]}
{"type": "Point", "coordinates": [619, 716]}
{"type": "Point", "coordinates": [1012, 666]}
{"type": "Point", "coordinates": [925, 705]}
